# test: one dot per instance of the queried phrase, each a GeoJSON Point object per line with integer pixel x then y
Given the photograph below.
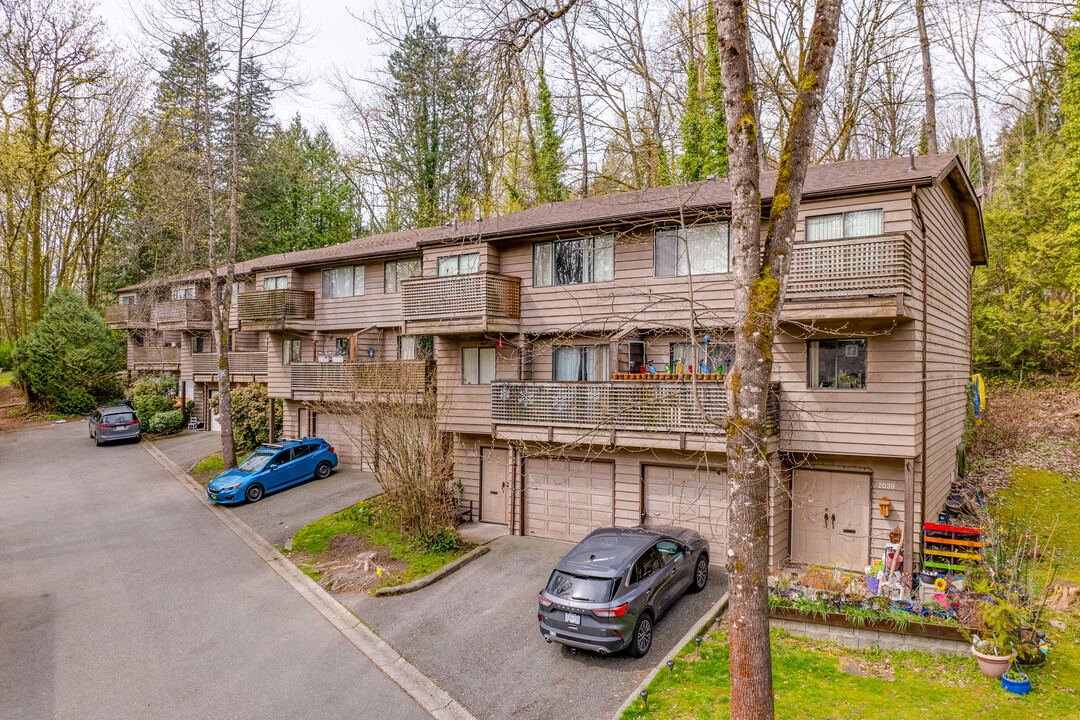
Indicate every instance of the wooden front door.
{"type": "Point", "coordinates": [494, 485]}
{"type": "Point", "coordinates": [830, 518]}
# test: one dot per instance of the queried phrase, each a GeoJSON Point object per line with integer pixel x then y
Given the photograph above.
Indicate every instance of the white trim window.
{"type": "Point", "coordinates": [291, 351]}
{"type": "Point", "coordinates": [477, 365]}
{"type": "Point", "coordinates": [574, 261]}
{"type": "Point", "coordinates": [694, 250]}
{"type": "Point", "coordinates": [342, 282]}
{"type": "Point", "coordinates": [394, 271]}
{"type": "Point", "coordinates": [852, 224]}
{"type": "Point", "coordinates": [278, 282]}
{"type": "Point", "coordinates": [466, 264]}
{"type": "Point", "coordinates": [836, 364]}
{"type": "Point", "coordinates": [579, 363]}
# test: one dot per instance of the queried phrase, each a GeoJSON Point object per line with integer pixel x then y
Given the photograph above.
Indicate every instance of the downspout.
{"type": "Point", "coordinates": [922, 352]}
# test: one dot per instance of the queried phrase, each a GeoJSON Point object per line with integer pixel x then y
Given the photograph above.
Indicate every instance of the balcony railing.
{"type": "Point", "coordinates": [192, 313]}
{"type": "Point", "coordinates": [373, 377]}
{"type": "Point", "coordinates": [240, 363]}
{"type": "Point", "coordinates": [275, 309]}
{"type": "Point", "coordinates": [648, 407]}
{"type": "Point", "coordinates": [479, 297]}
{"type": "Point", "coordinates": [122, 317]}
{"type": "Point", "coordinates": [154, 356]}
{"type": "Point", "coordinates": [860, 266]}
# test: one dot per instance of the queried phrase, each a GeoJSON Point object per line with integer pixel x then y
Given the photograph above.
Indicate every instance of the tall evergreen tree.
{"type": "Point", "coordinates": [704, 124]}
{"type": "Point", "coordinates": [692, 162]}
{"type": "Point", "coordinates": [550, 161]}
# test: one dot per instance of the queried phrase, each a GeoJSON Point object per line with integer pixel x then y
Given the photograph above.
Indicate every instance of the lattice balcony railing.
{"type": "Point", "coordinates": [155, 355]}
{"type": "Point", "coordinates": [860, 266]}
{"type": "Point", "coordinates": [137, 314]}
{"type": "Point", "coordinates": [372, 376]}
{"type": "Point", "coordinates": [178, 314]}
{"type": "Point", "coordinates": [461, 296]}
{"type": "Point", "coordinates": [274, 307]}
{"type": "Point", "coordinates": [240, 363]}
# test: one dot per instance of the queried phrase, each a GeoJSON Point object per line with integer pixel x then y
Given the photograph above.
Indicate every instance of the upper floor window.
{"type": "Point", "coordinates": [342, 346]}
{"type": "Point", "coordinates": [477, 365]}
{"type": "Point", "coordinates": [185, 293]}
{"type": "Point", "coordinates": [570, 262]}
{"type": "Point", "coordinates": [694, 250]}
{"type": "Point", "coordinates": [717, 357]}
{"type": "Point", "coordinates": [278, 282]}
{"type": "Point", "coordinates": [398, 270]}
{"type": "Point", "coordinates": [857, 223]}
{"type": "Point", "coordinates": [580, 363]}
{"type": "Point", "coordinates": [290, 351]}
{"type": "Point", "coordinates": [342, 282]}
{"type": "Point", "coordinates": [839, 364]}
{"type": "Point", "coordinates": [127, 300]}
{"type": "Point", "coordinates": [458, 264]}
{"type": "Point", "coordinates": [197, 344]}
{"type": "Point", "coordinates": [415, 347]}
{"type": "Point", "coordinates": [237, 288]}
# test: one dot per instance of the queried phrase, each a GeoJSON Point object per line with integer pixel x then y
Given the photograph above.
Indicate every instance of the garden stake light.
{"type": "Point", "coordinates": [645, 699]}
{"type": "Point", "coordinates": [671, 667]}
{"type": "Point", "coordinates": [697, 645]}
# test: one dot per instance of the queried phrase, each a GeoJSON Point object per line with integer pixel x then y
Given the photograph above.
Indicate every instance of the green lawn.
{"type": "Point", "coordinates": [808, 682]}
{"type": "Point", "coordinates": [373, 520]}
{"type": "Point", "coordinates": [5, 377]}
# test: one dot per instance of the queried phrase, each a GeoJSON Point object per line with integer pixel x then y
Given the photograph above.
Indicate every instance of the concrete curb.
{"type": "Point", "coordinates": [427, 694]}
{"type": "Point", "coordinates": [698, 629]}
{"type": "Point", "coordinates": [435, 576]}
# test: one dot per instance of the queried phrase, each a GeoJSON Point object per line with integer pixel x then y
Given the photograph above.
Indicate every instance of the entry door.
{"type": "Point", "coordinates": [215, 418]}
{"type": "Point", "coordinates": [830, 515]}
{"type": "Point", "coordinates": [494, 485]}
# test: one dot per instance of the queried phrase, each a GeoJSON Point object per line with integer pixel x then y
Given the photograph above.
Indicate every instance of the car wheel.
{"type": "Point", "coordinates": [642, 639]}
{"type": "Point", "coordinates": [97, 440]}
{"type": "Point", "coordinates": [322, 470]}
{"type": "Point", "coordinates": [254, 493]}
{"type": "Point", "coordinates": [701, 575]}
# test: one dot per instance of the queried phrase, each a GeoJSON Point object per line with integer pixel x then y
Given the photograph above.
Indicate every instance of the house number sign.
{"type": "Point", "coordinates": [886, 486]}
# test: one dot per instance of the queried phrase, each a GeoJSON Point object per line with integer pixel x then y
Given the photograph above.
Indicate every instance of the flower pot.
{"type": "Point", "coordinates": [1020, 686]}
{"type": "Point", "coordinates": [993, 666]}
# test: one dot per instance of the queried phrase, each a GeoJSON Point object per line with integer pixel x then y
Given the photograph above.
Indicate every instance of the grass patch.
{"type": "Point", "coordinates": [376, 523]}
{"type": "Point", "coordinates": [6, 377]}
{"type": "Point", "coordinates": [210, 466]}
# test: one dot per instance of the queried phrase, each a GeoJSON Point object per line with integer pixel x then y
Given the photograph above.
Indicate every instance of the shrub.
{"type": "Point", "coordinates": [68, 361]}
{"type": "Point", "coordinates": [148, 405]}
{"type": "Point", "coordinates": [249, 416]}
{"type": "Point", "coordinates": [166, 422]}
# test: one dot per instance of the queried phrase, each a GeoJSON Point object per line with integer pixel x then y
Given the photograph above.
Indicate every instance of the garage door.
{"type": "Point", "coordinates": [568, 499]}
{"type": "Point", "coordinates": [690, 498]}
{"type": "Point", "coordinates": [345, 434]}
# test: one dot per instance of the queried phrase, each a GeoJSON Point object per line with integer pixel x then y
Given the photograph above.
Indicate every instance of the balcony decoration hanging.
{"type": "Point", "coordinates": [500, 345]}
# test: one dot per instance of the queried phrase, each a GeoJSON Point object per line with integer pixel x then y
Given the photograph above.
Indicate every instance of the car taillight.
{"type": "Point", "coordinates": [331, 448]}
{"type": "Point", "coordinates": [543, 601]}
{"type": "Point", "coordinates": [614, 612]}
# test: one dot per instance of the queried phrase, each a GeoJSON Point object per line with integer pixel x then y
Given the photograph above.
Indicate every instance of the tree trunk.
{"type": "Point", "coordinates": [930, 122]}
{"type": "Point", "coordinates": [580, 110]}
{"type": "Point", "coordinates": [760, 279]}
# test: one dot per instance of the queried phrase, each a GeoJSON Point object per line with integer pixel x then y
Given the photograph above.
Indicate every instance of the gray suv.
{"type": "Point", "coordinates": [607, 593]}
{"type": "Point", "coordinates": [117, 422]}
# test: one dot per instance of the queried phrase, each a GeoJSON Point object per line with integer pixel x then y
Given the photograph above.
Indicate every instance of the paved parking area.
{"type": "Point", "coordinates": [475, 633]}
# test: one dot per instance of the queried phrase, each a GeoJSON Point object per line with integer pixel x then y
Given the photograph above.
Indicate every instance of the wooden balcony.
{"type": "Point", "coordinates": [276, 310]}
{"type": "Point", "coordinates": [401, 380]}
{"type": "Point", "coordinates": [148, 358]}
{"type": "Point", "coordinates": [191, 314]}
{"type": "Point", "coordinates": [848, 279]}
{"type": "Point", "coordinates": [597, 411]}
{"type": "Point", "coordinates": [243, 366]}
{"type": "Point", "coordinates": [129, 317]}
{"type": "Point", "coordinates": [458, 304]}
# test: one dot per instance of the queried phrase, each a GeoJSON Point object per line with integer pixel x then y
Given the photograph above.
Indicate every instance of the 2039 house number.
{"type": "Point", "coordinates": [886, 486]}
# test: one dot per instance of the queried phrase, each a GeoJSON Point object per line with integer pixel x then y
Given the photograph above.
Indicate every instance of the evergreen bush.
{"type": "Point", "coordinates": [249, 415]}
{"type": "Point", "coordinates": [165, 423]}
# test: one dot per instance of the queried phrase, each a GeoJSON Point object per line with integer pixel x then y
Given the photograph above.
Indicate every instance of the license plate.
{"type": "Point", "coordinates": [572, 618]}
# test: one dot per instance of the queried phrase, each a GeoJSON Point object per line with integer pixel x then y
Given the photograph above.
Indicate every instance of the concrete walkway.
{"type": "Point", "coordinates": [190, 446]}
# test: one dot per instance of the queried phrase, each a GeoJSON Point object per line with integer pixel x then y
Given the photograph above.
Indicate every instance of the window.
{"type": "Point", "coordinates": [277, 282]}
{"type": "Point", "coordinates": [415, 347]}
{"type": "Point", "coordinates": [859, 223]}
{"type": "Point", "coordinates": [580, 363]}
{"type": "Point", "coordinates": [237, 288]}
{"type": "Point", "coordinates": [646, 565]}
{"type": "Point", "coordinates": [668, 550]}
{"type": "Point", "coordinates": [839, 364]}
{"type": "Point", "coordinates": [342, 345]}
{"type": "Point", "coordinates": [137, 340]}
{"type": "Point", "coordinates": [477, 366]}
{"type": "Point", "coordinates": [127, 300]}
{"type": "Point", "coordinates": [578, 587]}
{"type": "Point", "coordinates": [570, 262]}
{"type": "Point", "coordinates": [694, 250]}
{"type": "Point", "coordinates": [636, 354]}
{"type": "Point", "coordinates": [718, 356]}
{"type": "Point", "coordinates": [342, 282]}
{"type": "Point", "coordinates": [185, 293]}
{"type": "Point", "coordinates": [458, 265]}
{"type": "Point", "coordinates": [196, 344]}
{"type": "Point", "coordinates": [290, 351]}
{"type": "Point", "coordinates": [398, 270]}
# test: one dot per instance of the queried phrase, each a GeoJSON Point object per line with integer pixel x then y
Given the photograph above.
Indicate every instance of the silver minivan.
{"type": "Point", "coordinates": [117, 422]}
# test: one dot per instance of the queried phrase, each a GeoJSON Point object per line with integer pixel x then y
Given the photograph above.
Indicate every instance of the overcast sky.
{"type": "Point", "coordinates": [336, 38]}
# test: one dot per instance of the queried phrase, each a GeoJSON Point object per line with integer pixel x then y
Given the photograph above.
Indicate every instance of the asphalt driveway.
{"type": "Point", "coordinates": [475, 633]}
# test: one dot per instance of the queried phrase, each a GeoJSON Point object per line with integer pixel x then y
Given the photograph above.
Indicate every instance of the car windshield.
{"type": "Point", "coordinates": [254, 461]}
{"type": "Point", "coordinates": [118, 419]}
{"type": "Point", "coordinates": [576, 587]}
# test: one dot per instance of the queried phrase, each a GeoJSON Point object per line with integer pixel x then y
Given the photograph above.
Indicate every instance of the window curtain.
{"type": "Point", "coordinates": [703, 250]}
{"type": "Point", "coordinates": [407, 347]}
{"type": "Point", "coordinates": [542, 264]}
{"type": "Point", "coordinates": [596, 363]}
{"type": "Point", "coordinates": [603, 258]}
{"type": "Point", "coordinates": [487, 366]}
{"type": "Point", "coordinates": [566, 364]}
{"type": "Point", "coordinates": [863, 223]}
{"type": "Point", "coordinates": [468, 264]}
{"type": "Point", "coordinates": [664, 242]}
{"type": "Point", "coordinates": [824, 227]}
{"type": "Point", "coordinates": [470, 366]}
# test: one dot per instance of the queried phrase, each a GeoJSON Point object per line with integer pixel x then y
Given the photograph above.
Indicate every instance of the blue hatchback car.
{"type": "Point", "coordinates": [274, 466]}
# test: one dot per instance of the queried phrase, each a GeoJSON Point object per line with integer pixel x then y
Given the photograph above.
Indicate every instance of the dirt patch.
{"type": "Point", "coordinates": [351, 565]}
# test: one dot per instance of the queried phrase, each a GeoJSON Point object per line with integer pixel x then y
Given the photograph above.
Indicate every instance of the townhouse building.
{"type": "Point", "coordinates": [579, 351]}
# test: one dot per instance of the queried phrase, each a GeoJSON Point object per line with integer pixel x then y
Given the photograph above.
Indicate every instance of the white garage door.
{"type": "Point", "coordinates": [345, 434]}
{"type": "Point", "coordinates": [568, 499]}
{"type": "Point", "coordinates": [689, 498]}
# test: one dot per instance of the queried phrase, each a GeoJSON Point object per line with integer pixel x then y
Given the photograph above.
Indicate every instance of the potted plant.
{"type": "Point", "coordinates": [1000, 619]}
{"type": "Point", "coordinates": [1016, 682]}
